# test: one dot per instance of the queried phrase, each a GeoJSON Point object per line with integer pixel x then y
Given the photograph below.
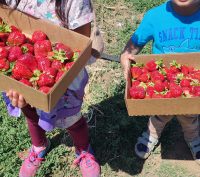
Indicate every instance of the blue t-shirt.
{"type": "Point", "coordinates": [170, 32]}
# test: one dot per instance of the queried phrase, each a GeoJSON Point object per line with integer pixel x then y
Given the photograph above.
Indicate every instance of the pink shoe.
{"type": "Point", "coordinates": [32, 162]}
{"type": "Point", "coordinates": [88, 165]}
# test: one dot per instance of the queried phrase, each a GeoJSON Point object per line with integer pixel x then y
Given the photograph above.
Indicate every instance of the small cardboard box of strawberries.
{"type": "Point", "coordinates": [167, 84]}
{"type": "Point", "coordinates": [38, 58]}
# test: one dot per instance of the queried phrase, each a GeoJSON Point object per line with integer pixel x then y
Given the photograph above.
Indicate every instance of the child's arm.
{"type": "Point", "coordinates": [128, 54]}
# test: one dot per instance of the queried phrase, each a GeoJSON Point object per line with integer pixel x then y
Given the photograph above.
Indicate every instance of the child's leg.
{"type": "Point", "coordinates": [156, 125]}
{"type": "Point", "coordinates": [79, 134]}
{"type": "Point", "coordinates": [149, 139]}
{"type": "Point", "coordinates": [85, 158]}
{"type": "Point", "coordinates": [37, 134]}
{"type": "Point", "coordinates": [40, 145]}
{"type": "Point", "coordinates": [190, 126]}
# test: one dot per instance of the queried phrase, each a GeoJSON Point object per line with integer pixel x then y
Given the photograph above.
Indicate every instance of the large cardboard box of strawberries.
{"type": "Point", "coordinates": [167, 84]}
{"type": "Point", "coordinates": [67, 51]}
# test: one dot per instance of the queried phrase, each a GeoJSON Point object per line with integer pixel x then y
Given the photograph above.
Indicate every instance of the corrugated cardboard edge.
{"type": "Point", "coordinates": [67, 79]}
{"type": "Point", "coordinates": [179, 106]}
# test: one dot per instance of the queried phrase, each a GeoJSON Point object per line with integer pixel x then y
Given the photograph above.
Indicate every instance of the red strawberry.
{"type": "Point", "coordinates": [42, 48]}
{"type": "Point", "coordinates": [21, 71]}
{"type": "Point", "coordinates": [168, 95]}
{"type": "Point", "coordinates": [176, 91]}
{"type": "Point", "coordinates": [51, 72]}
{"type": "Point", "coordinates": [135, 83]}
{"type": "Point", "coordinates": [45, 89]}
{"type": "Point", "coordinates": [3, 52]}
{"type": "Point", "coordinates": [27, 48]}
{"type": "Point", "coordinates": [43, 63]}
{"type": "Point", "coordinates": [196, 90]}
{"type": "Point", "coordinates": [59, 75]}
{"type": "Point", "coordinates": [38, 36]}
{"type": "Point", "coordinates": [28, 60]}
{"type": "Point", "coordinates": [2, 44]}
{"type": "Point", "coordinates": [45, 80]}
{"type": "Point", "coordinates": [144, 77]}
{"type": "Point", "coordinates": [57, 64]}
{"type": "Point", "coordinates": [184, 69]}
{"type": "Point", "coordinates": [196, 75]}
{"type": "Point", "coordinates": [14, 53]}
{"type": "Point", "coordinates": [68, 51]}
{"type": "Point", "coordinates": [156, 75]}
{"type": "Point", "coordinates": [174, 67]}
{"type": "Point", "coordinates": [159, 86]}
{"type": "Point", "coordinates": [153, 65]}
{"type": "Point", "coordinates": [137, 92]}
{"type": "Point", "coordinates": [16, 38]}
{"type": "Point", "coordinates": [157, 95]}
{"type": "Point", "coordinates": [136, 72]}
{"type": "Point", "coordinates": [185, 83]}
{"type": "Point", "coordinates": [171, 77]}
{"type": "Point", "coordinates": [4, 64]}
{"type": "Point", "coordinates": [68, 65]}
{"type": "Point", "coordinates": [14, 28]}
{"type": "Point", "coordinates": [150, 91]}
{"type": "Point", "coordinates": [26, 82]}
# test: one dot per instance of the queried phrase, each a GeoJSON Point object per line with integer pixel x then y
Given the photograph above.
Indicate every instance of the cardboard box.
{"type": "Point", "coordinates": [28, 25]}
{"type": "Point", "coordinates": [164, 106]}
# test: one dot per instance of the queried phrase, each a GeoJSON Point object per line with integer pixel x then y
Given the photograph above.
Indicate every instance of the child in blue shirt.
{"type": "Point", "coordinates": [173, 27]}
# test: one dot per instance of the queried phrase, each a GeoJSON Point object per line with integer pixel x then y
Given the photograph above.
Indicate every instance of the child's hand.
{"type": "Point", "coordinates": [126, 63]}
{"type": "Point", "coordinates": [16, 99]}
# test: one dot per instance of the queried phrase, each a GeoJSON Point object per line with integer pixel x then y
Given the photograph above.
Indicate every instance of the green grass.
{"type": "Point", "coordinates": [113, 133]}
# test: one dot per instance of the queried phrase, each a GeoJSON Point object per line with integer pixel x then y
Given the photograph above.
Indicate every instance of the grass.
{"type": "Point", "coordinates": [113, 133]}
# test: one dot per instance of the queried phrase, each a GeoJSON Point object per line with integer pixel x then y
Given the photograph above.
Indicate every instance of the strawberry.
{"type": "Point", "coordinates": [51, 72]}
{"type": "Point", "coordinates": [26, 82]}
{"type": "Point", "coordinates": [2, 44]}
{"type": "Point", "coordinates": [4, 64]}
{"type": "Point", "coordinates": [27, 48]}
{"type": "Point", "coordinates": [135, 82]}
{"type": "Point", "coordinates": [68, 65]}
{"type": "Point", "coordinates": [144, 77]}
{"type": "Point", "coordinates": [14, 53]}
{"type": "Point", "coordinates": [42, 48]}
{"type": "Point", "coordinates": [185, 83]}
{"type": "Point", "coordinates": [4, 31]}
{"type": "Point", "coordinates": [156, 75]}
{"type": "Point", "coordinates": [38, 36]}
{"type": "Point", "coordinates": [153, 65]}
{"type": "Point", "coordinates": [196, 75]}
{"type": "Point", "coordinates": [45, 89]}
{"type": "Point", "coordinates": [16, 38]}
{"type": "Point", "coordinates": [14, 28]}
{"type": "Point", "coordinates": [171, 77]}
{"type": "Point", "coordinates": [196, 90]}
{"type": "Point", "coordinates": [184, 69]}
{"type": "Point", "coordinates": [21, 71]}
{"type": "Point", "coordinates": [150, 91]}
{"type": "Point", "coordinates": [176, 91]}
{"type": "Point", "coordinates": [45, 80]}
{"type": "Point", "coordinates": [3, 52]}
{"type": "Point", "coordinates": [157, 95]}
{"type": "Point", "coordinates": [28, 60]}
{"type": "Point", "coordinates": [168, 95]}
{"type": "Point", "coordinates": [159, 86]}
{"type": "Point", "coordinates": [59, 75]}
{"type": "Point", "coordinates": [137, 92]}
{"type": "Point", "coordinates": [62, 47]}
{"type": "Point", "coordinates": [174, 67]}
{"type": "Point", "coordinates": [43, 63]}
{"type": "Point", "coordinates": [136, 72]}
{"type": "Point", "coordinates": [57, 64]}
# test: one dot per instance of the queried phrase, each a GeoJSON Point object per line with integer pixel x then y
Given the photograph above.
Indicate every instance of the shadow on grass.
{"type": "Point", "coordinates": [116, 133]}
